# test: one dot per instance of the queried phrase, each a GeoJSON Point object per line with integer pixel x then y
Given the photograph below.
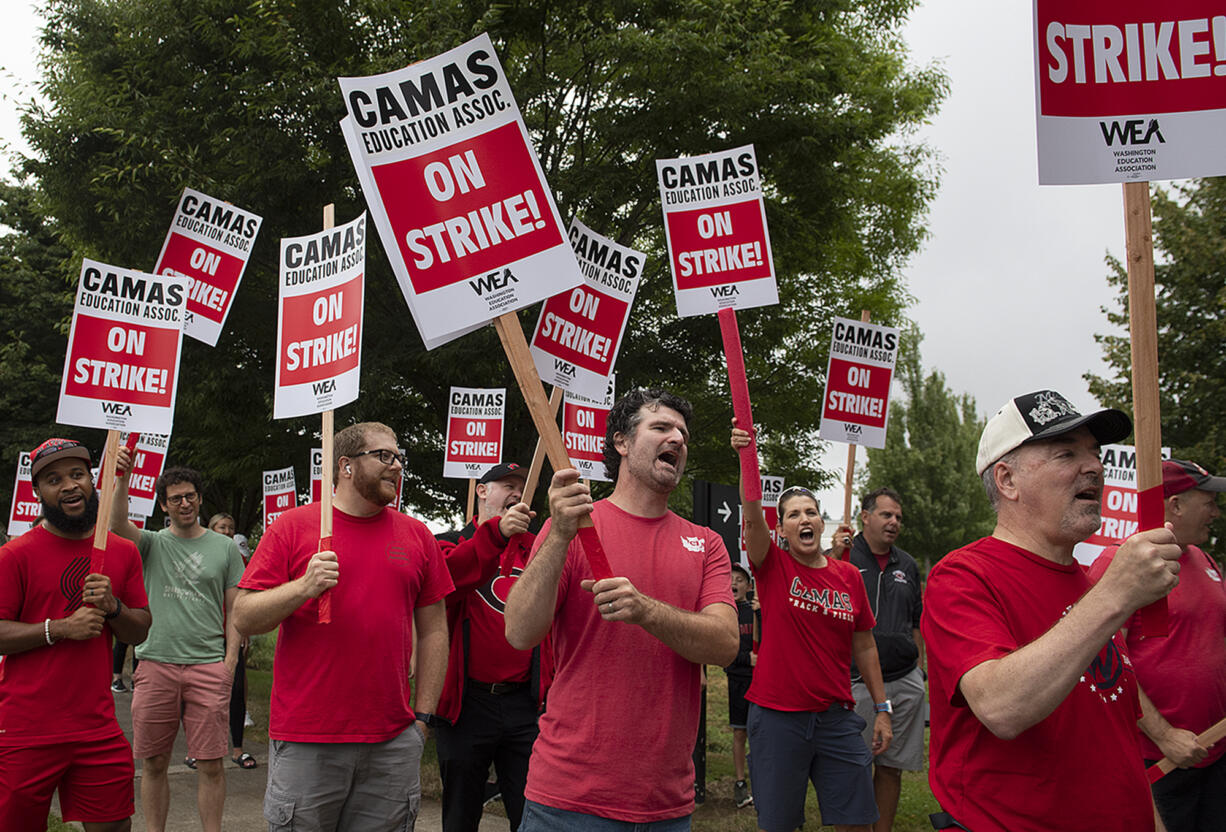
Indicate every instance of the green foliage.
{"type": "Point", "coordinates": [239, 99]}
{"type": "Point", "coordinates": [1190, 292]}
{"type": "Point", "coordinates": [929, 459]}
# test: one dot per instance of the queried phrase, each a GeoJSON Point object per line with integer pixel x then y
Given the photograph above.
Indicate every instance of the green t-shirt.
{"type": "Point", "coordinates": [186, 581]}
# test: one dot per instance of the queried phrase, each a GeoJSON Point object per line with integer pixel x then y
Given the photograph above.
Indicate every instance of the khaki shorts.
{"type": "Point", "coordinates": [198, 695]}
{"type": "Point", "coordinates": [906, 750]}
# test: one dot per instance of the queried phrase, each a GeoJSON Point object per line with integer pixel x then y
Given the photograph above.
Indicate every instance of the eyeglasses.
{"type": "Point", "coordinates": [181, 499]}
{"type": "Point", "coordinates": [386, 457]}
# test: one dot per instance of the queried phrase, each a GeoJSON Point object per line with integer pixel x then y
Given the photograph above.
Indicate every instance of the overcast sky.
{"type": "Point", "coordinates": [1010, 283]}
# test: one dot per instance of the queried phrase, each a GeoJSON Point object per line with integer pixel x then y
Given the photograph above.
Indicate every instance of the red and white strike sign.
{"type": "Point", "coordinates": [209, 243]}
{"type": "Point", "coordinates": [26, 507]}
{"type": "Point", "coordinates": [584, 424]}
{"type": "Point", "coordinates": [317, 474]}
{"type": "Point", "coordinates": [857, 401]}
{"type": "Point", "coordinates": [772, 487]}
{"type": "Point", "coordinates": [280, 494]}
{"type": "Point", "coordinates": [123, 350]}
{"type": "Point", "coordinates": [319, 329]}
{"type": "Point", "coordinates": [149, 458]}
{"type": "Point", "coordinates": [579, 331]}
{"type": "Point", "coordinates": [715, 224]}
{"type": "Point", "coordinates": [474, 431]}
{"type": "Point", "coordinates": [1130, 90]}
{"type": "Point", "coordinates": [456, 190]}
{"type": "Point", "coordinates": [1119, 508]}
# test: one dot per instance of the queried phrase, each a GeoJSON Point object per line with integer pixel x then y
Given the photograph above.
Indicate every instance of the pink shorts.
{"type": "Point", "coordinates": [94, 778]}
{"type": "Point", "coordinates": [199, 694]}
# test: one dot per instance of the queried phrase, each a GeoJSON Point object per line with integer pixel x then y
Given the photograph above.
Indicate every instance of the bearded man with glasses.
{"type": "Point", "coordinates": [187, 664]}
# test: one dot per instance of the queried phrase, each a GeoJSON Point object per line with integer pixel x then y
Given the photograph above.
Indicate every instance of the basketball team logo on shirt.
{"type": "Point", "coordinates": [70, 583]}
{"type": "Point", "coordinates": [834, 604]}
{"type": "Point", "coordinates": [496, 591]}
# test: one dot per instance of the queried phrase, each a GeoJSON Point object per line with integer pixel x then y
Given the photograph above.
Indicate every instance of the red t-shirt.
{"type": "Point", "coordinates": [808, 618]}
{"type": "Point", "coordinates": [1077, 769]}
{"type": "Point", "coordinates": [60, 693]}
{"type": "Point", "coordinates": [1184, 674]}
{"type": "Point", "coordinates": [348, 681]}
{"type": "Point", "coordinates": [617, 737]}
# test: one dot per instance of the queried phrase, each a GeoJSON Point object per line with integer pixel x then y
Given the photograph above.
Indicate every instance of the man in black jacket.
{"type": "Point", "coordinates": [892, 581]}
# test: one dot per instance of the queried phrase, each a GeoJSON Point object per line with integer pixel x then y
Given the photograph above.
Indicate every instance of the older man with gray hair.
{"type": "Point", "coordinates": [1034, 701]}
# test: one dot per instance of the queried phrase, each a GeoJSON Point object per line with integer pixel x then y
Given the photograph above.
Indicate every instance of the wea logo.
{"type": "Point", "coordinates": [1130, 132]}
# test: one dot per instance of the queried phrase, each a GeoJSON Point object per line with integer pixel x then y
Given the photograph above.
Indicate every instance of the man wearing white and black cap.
{"type": "Point", "coordinates": [1034, 701]}
{"type": "Point", "coordinates": [57, 716]}
{"type": "Point", "coordinates": [492, 692]}
{"type": "Point", "coordinates": [1183, 676]}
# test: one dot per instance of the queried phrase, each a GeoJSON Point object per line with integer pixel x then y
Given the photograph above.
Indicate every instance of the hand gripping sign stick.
{"type": "Point", "coordinates": [106, 496]}
{"type": "Point", "coordinates": [851, 460]}
{"type": "Point", "coordinates": [325, 471]}
{"type": "Point", "coordinates": [1147, 423]}
{"type": "Point", "coordinates": [738, 384]}
{"type": "Point", "coordinates": [520, 359]}
{"type": "Point", "coordinates": [1207, 739]}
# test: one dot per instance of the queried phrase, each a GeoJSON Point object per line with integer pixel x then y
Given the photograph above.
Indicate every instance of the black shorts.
{"type": "Point", "coordinates": [738, 708]}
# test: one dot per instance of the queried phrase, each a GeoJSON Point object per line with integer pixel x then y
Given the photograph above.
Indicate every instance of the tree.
{"type": "Point", "coordinates": [929, 459]}
{"type": "Point", "coordinates": [1190, 290]}
{"type": "Point", "coordinates": [239, 99]}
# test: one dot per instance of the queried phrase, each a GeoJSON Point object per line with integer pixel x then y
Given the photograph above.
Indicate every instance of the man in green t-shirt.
{"type": "Point", "coordinates": [187, 663]}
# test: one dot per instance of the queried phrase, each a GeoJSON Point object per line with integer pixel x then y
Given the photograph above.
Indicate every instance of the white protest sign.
{"type": "Point", "coordinates": [715, 224]}
{"type": "Point", "coordinates": [772, 487]}
{"type": "Point", "coordinates": [26, 507]}
{"type": "Point", "coordinates": [474, 431]}
{"type": "Point", "coordinates": [584, 425]}
{"type": "Point", "coordinates": [209, 243]}
{"type": "Point", "coordinates": [148, 460]}
{"type": "Point", "coordinates": [122, 367]}
{"type": "Point", "coordinates": [319, 328]}
{"type": "Point", "coordinates": [579, 332]}
{"type": "Point", "coordinates": [856, 405]}
{"type": "Point", "coordinates": [1119, 506]}
{"type": "Point", "coordinates": [456, 190]}
{"type": "Point", "coordinates": [1129, 90]}
{"type": "Point", "coordinates": [317, 474]}
{"type": "Point", "coordinates": [280, 494]}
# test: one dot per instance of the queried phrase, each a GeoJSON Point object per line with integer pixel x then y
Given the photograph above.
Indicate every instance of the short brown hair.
{"type": "Point", "coordinates": [352, 440]}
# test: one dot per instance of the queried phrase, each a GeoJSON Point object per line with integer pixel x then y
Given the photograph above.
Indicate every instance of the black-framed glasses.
{"type": "Point", "coordinates": [385, 456]}
{"type": "Point", "coordinates": [181, 499]}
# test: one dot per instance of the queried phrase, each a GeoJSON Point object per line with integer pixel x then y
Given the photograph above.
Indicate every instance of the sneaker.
{"type": "Point", "coordinates": [740, 795]}
{"type": "Point", "coordinates": [248, 722]}
{"type": "Point", "coordinates": [492, 793]}
{"type": "Point", "coordinates": [118, 686]}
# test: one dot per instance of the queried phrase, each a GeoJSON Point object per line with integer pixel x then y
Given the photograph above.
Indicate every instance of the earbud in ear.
{"type": "Point", "coordinates": [348, 469]}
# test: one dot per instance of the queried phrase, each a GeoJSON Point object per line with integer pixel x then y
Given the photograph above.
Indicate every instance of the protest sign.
{"type": "Point", "coordinates": [584, 422]}
{"type": "Point", "coordinates": [26, 507]}
{"type": "Point", "coordinates": [317, 473]}
{"type": "Point", "coordinates": [456, 190]}
{"type": "Point", "coordinates": [148, 460]}
{"type": "Point", "coordinates": [715, 225]}
{"type": "Point", "coordinates": [1119, 505]}
{"type": "Point", "coordinates": [579, 331]}
{"type": "Point", "coordinates": [122, 366]}
{"type": "Point", "coordinates": [856, 405]}
{"type": "Point", "coordinates": [772, 487]}
{"type": "Point", "coordinates": [280, 494]}
{"type": "Point", "coordinates": [474, 431]}
{"type": "Point", "coordinates": [209, 243]}
{"type": "Point", "coordinates": [1129, 90]}
{"type": "Point", "coordinates": [319, 329]}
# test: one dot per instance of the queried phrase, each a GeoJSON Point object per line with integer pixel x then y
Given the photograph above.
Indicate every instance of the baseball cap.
{"type": "Point", "coordinates": [54, 449]}
{"type": "Point", "coordinates": [1043, 414]}
{"type": "Point", "coordinates": [736, 567]}
{"type": "Point", "coordinates": [1179, 475]}
{"type": "Point", "coordinates": [505, 469]}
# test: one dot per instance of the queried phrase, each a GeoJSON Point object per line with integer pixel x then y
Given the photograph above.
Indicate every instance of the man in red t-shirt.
{"type": "Point", "coordinates": [1183, 676]}
{"type": "Point", "coordinates": [1034, 702]}
{"type": "Point", "coordinates": [617, 736]}
{"type": "Point", "coordinates": [346, 745]}
{"type": "Point", "coordinates": [57, 716]}
{"type": "Point", "coordinates": [489, 707]}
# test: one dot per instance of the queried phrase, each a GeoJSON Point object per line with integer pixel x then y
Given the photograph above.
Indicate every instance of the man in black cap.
{"type": "Point", "coordinates": [1183, 676]}
{"type": "Point", "coordinates": [57, 615]}
{"type": "Point", "coordinates": [1027, 670]}
{"type": "Point", "coordinates": [492, 692]}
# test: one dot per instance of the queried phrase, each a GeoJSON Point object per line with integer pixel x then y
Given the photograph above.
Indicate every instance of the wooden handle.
{"type": "Point", "coordinates": [538, 456]}
{"type": "Point", "coordinates": [106, 498]}
{"type": "Point", "coordinates": [327, 430]}
{"type": "Point", "coordinates": [849, 474]}
{"type": "Point", "coordinates": [1207, 739]}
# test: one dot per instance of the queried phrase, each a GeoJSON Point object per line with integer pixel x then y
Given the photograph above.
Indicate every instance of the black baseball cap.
{"type": "Point", "coordinates": [504, 469]}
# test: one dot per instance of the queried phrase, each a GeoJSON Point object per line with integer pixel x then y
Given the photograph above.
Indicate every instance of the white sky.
{"type": "Point", "coordinates": [1009, 284]}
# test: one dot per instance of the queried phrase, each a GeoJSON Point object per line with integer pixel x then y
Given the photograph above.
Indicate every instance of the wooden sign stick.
{"type": "Point", "coordinates": [106, 498]}
{"type": "Point", "coordinates": [538, 456]}
{"type": "Point", "coordinates": [851, 460]}
{"type": "Point", "coordinates": [1147, 422]}
{"type": "Point", "coordinates": [472, 496]}
{"type": "Point", "coordinates": [325, 471]}
{"type": "Point", "coordinates": [1211, 736]}
{"type": "Point", "coordinates": [516, 347]}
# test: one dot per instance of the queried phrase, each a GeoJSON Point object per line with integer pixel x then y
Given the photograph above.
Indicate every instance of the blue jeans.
{"type": "Point", "coordinates": [538, 818]}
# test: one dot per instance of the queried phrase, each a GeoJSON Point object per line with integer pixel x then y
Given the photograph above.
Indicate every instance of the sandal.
{"type": "Point", "coordinates": [245, 760]}
{"type": "Point", "coordinates": [190, 762]}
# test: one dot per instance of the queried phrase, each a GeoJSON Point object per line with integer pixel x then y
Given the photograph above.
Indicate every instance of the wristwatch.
{"type": "Point", "coordinates": [886, 707]}
{"type": "Point", "coordinates": [430, 719]}
{"type": "Point", "coordinates": [118, 609]}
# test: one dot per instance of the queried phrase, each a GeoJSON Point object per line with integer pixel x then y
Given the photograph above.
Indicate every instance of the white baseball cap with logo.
{"type": "Point", "coordinates": [1043, 414]}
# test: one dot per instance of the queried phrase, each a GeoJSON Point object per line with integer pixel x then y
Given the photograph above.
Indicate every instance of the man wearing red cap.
{"type": "Point", "coordinates": [1183, 676]}
{"type": "Point", "coordinates": [57, 716]}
